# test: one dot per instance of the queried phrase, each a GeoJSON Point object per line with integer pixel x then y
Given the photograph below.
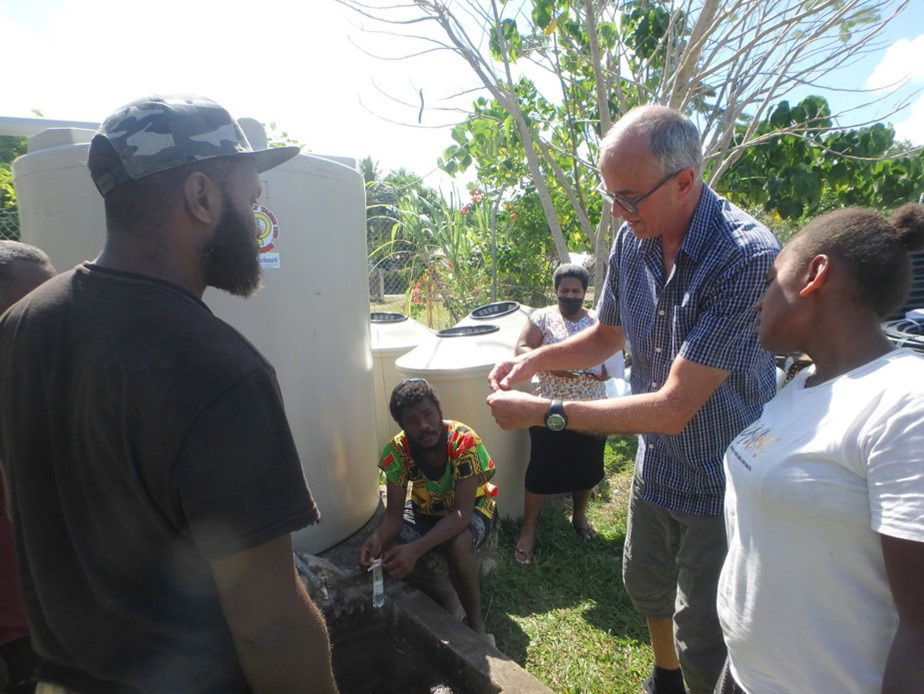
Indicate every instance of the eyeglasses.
{"type": "Point", "coordinates": [631, 206]}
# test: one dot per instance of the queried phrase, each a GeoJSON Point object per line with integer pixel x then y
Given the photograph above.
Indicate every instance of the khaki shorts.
{"type": "Point", "coordinates": [671, 565]}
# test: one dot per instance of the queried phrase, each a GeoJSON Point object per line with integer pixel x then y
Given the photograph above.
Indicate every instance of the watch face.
{"type": "Point", "coordinates": [555, 422]}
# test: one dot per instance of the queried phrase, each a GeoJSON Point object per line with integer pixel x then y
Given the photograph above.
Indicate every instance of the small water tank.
{"type": "Point", "coordinates": [509, 316]}
{"type": "Point", "coordinates": [309, 320]}
{"type": "Point", "coordinates": [393, 335]}
{"type": "Point", "coordinates": [457, 361]}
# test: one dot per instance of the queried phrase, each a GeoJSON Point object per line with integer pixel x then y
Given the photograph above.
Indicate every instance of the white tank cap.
{"type": "Point", "coordinates": [59, 137]}
{"type": "Point", "coordinates": [254, 131]}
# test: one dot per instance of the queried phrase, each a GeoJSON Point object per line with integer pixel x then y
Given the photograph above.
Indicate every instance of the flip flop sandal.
{"type": "Point", "coordinates": [523, 557]}
{"type": "Point", "coordinates": [586, 532]}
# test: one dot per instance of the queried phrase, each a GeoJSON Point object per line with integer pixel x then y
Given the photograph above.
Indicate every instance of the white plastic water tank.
{"type": "Point", "coordinates": [457, 361]}
{"type": "Point", "coordinates": [309, 320]}
{"type": "Point", "coordinates": [60, 210]}
{"type": "Point", "coordinates": [393, 335]}
{"type": "Point", "coordinates": [509, 316]}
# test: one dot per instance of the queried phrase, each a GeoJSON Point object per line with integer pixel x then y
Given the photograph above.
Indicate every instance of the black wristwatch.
{"type": "Point", "coordinates": [555, 418]}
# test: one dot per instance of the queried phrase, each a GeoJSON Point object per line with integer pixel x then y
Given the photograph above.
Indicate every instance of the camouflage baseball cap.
{"type": "Point", "coordinates": [159, 133]}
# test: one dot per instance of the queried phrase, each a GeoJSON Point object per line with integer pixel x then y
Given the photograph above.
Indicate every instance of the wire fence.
{"type": "Point", "coordinates": [428, 291]}
{"type": "Point", "coordinates": [389, 276]}
{"type": "Point", "coordinates": [9, 225]}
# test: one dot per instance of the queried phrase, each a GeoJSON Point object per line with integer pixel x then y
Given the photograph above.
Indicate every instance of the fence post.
{"type": "Point", "coordinates": [377, 285]}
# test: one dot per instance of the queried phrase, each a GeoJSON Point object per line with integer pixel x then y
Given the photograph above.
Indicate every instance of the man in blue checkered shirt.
{"type": "Point", "coordinates": [686, 272]}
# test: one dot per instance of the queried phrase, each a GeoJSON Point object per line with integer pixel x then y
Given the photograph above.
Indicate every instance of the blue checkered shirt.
{"type": "Point", "coordinates": [704, 312]}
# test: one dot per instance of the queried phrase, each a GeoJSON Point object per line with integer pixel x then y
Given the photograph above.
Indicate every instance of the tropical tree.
{"type": "Point", "coordinates": [523, 251]}
{"type": "Point", "coordinates": [443, 260]}
{"type": "Point", "coordinates": [724, 62]}
{"type": "Point", "coordinates": [810, 170]}
{"type": "Point", "coordinates": [10, 149]}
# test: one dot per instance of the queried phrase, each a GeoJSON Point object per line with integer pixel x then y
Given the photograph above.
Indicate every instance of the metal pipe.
{"type": "Point", "coordinates": [27, 127]}
{"type": "Point", "coordinates": [306, 571]}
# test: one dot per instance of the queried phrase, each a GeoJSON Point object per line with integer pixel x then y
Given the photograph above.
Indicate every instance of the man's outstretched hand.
{"type": "Point", "coordinates": [507, 373]}
{"type": "Point", "coordinates": [514, 409]}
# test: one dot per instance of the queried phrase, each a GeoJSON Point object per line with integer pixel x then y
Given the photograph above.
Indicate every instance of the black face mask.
{"type": "Point", "coordinates": [570, 305]}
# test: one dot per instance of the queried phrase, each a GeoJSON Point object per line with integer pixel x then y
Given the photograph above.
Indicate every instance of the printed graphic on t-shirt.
{"type": "Point", "coordinates": [756, 439]}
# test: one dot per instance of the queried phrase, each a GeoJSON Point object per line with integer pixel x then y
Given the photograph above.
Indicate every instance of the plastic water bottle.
{"type": "Point", "coordinates": [378, 584]}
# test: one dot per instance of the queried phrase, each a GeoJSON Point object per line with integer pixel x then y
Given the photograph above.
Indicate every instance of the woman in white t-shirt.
{"type": "Point", "coordinates": [823, 586]}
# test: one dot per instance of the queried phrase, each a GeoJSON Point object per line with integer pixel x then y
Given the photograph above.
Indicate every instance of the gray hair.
{"type": "Point", "coordinates": [672, 137]}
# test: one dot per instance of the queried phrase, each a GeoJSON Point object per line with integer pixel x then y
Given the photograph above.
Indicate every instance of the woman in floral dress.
{"type": "Point", "coordinates": [561, 461]}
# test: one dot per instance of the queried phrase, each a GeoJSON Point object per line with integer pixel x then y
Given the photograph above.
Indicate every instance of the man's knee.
{"type": "Point", "coordinates": [649, 566]}
{"type": "Point", "coordinates": [459, 548]}
{"type": "Point", "coordinates": [651, 587]}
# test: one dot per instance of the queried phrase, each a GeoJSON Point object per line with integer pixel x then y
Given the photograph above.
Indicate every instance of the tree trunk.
{"type": "Point", "coordinates": [601, 254]}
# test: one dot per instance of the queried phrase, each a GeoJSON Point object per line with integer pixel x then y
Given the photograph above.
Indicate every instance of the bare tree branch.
{"type": "Point", "coordinates": [726, 62]}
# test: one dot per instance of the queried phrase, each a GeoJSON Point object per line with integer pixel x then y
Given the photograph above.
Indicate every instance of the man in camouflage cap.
{"type": "Point", "coordinates": [160, 133]}
{"type": "Point", "coordinates": [154, 479]}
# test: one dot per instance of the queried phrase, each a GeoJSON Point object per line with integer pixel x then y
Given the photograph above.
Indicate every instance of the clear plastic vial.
{"type": "Point", "coordinates": [378, 584]}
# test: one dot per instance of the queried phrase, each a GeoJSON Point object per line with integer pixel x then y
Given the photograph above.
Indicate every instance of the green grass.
{"type": "Point", "coordinates": [567, 618]}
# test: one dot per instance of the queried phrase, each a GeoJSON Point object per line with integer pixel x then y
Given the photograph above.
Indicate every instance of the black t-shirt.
{"type": "Point", "coordinates": [142, 438]}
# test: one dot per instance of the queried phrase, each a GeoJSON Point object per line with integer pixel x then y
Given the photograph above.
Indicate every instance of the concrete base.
{"type": "Point", "coordinates": [340, 587]}
{"type": "Point", "coordinates": [479, 666]}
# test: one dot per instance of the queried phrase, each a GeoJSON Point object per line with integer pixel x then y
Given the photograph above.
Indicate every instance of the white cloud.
{"type": "Point", "coordinates": [292, 63]}
{"type": "Point", "coordinates": [912, 127]}
{"type": "Point", "coordinates": [904, 59]}
{"type": "Point", "coordinates": [289, 63]}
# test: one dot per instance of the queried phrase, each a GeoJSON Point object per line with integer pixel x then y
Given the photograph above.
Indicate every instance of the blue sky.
{"type": "Point", "coordinates": [292, 63]}
{"type": "Point", "coordinates": [900, 52]}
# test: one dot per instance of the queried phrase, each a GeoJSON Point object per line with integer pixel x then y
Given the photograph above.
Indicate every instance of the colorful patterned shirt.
{"type": "Point", "coordinates": [467, 457]}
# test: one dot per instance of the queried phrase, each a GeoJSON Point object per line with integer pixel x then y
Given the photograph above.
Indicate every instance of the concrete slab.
{"type": "Point", "coordinates": [340, 587]}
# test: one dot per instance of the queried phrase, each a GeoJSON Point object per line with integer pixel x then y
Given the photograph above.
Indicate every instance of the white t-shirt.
{"type": "Point", "coordinates": [804, 602]}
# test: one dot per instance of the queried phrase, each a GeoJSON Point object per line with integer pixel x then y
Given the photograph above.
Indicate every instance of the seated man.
{"type": "Point", "coordinates": [452, 503]}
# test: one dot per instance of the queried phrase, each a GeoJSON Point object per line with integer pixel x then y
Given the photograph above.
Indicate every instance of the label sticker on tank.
{"type": "Point", "coordinates": [267, 228]}
{"type": "Point", "coordinates": [269, 261]}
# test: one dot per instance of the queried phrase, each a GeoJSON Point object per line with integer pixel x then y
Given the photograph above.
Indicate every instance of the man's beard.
{"type": "Point", "coordinates": [230, 259]}
{"type": "Point", "coordinates": [442, 440]}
